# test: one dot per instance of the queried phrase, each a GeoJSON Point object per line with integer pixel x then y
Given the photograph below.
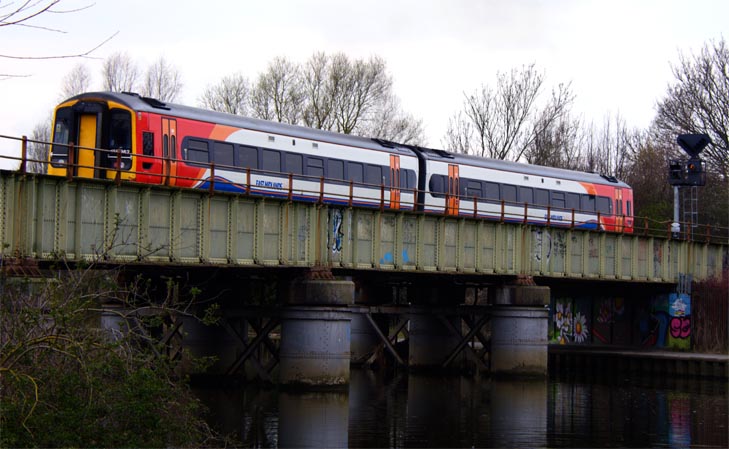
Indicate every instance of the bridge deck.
{"type": "Point", "coordinates": [46, 218]}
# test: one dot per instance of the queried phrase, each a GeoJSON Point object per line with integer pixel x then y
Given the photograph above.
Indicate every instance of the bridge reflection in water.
{"type": "Point", "coordinates": [424, 411]}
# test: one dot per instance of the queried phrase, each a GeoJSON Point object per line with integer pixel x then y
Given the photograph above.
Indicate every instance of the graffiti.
{"type": "Point", "coordinates": [337, 234]}
{"type": "Point", "coordinates": [542, 238]}
{"type": "Point", "coordinates": [581, 332]}
{"type": "Point", "coordinates": [669, 322]}
{"type": "Point", "coordinates": [563, 321]}
{"type": "Point", "coordinates": [388, 258]}
{"type": "Point", "coordinates": [680, 327]}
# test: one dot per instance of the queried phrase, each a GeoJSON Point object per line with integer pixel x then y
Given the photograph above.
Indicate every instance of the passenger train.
{"type": "Point", "coordinates": [140, 139]}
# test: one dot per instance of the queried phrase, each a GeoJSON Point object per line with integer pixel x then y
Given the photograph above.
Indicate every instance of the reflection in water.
{"type": "Point", "coordinates": [427, 411]}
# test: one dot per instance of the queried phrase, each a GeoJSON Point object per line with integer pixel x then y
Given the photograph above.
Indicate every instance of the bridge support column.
{"type": "Point", "coordinates": [315, 333]}
{"type": "Point", "coordinates": [519, 343]}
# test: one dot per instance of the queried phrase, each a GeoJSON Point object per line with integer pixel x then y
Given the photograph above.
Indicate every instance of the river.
{"type": "Point", "coordinates": [409, 410]}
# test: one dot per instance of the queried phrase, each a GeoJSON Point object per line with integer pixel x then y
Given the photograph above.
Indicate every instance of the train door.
{"type": "Point", "coordinates": [452, 199]}
{"type": "Point", "coordinates": [619, 212]}
{"type": "Point", "coordinates": [394, 181]}
{"type": "Point", "coordinates": [87, 142]}
{"type": "Point", "coordinates": [169, 151]}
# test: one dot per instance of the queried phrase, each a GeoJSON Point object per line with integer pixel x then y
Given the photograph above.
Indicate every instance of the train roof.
{"type": "Point", "coordinates": [145, 104]}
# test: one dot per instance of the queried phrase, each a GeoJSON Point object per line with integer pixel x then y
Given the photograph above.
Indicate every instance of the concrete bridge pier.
{"type": "Point", "coordinates": [519, 329]}
{"type": "Point", "coordinates": [316, 333]}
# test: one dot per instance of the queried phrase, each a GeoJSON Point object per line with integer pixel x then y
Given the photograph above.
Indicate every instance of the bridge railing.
{"type": "Point", "coordinates": [470, 206]}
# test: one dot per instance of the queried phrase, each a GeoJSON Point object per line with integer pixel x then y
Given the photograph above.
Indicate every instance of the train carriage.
{"type": "Point", "coordinates": [126, 136]}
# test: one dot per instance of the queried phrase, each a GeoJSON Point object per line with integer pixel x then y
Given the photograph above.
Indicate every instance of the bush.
{"type": "Point", "coordinates": [67, 381]}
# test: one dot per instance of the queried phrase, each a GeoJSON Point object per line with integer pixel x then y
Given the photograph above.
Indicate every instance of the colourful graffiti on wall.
{"type": "Point", "coordinates": [571, 322]}
{"type": "Point", "coordinates": [670, 322]}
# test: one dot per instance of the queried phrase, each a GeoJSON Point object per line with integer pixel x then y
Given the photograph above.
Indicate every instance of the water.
{"type": "Point", "coordinates": [429, 411]}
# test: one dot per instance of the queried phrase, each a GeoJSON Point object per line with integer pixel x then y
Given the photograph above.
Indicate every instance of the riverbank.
{"type": "Point", "coordinates": [609, 360]}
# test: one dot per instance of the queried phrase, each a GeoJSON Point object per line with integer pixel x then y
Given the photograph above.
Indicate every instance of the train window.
{"type": "Point", "coordinates": [508, 193]}
{"type": "Point", "coordinates": [373, 174]}
{"type": "Point", "coordinates": [197, 151]}
{"type": "Point", "coordinates": [437, 185]}
{"type": "Point", "coordinates": [410, 179]}
{"type": "Point", "coordinates": [603, 205]}
{"type": "Point", "coordinates": [491, 191]}
{"type": "Point", "coordinates": [148, 143]}
{"type": "Point", "coordinates": [355, 172]}
{"type": "Point", "coordinates": [294, 163]}
{"type": "Point", "coordinates": [572, 201]}
{"type": "Point", "coordinates": [335, 169]}
{"type": "Point", "coordinates": [271, 161]}
{"type": "Point", "coordinates": [247, 156]}
{"type": "Point", "coordinates": [526, 195]}
{"type": "Point", "coordinates": [120, 139]}
{"type": "Point", "coordinates": [473, 188]}
{"type": "Point", "coordinates": [588, 203]}
{"type": "Point", "coordinates": [315, 166]}
{"type": "Point", "coordinates": [618, 207]}
{"type": "Point", "coordinates": [629, 210]}
{"type": "Point", "coordinates": [541, 197]}
{"type": "Point", "coordinates": [223, 154]}
{"type": "Point", "coordinates": [558, 200]}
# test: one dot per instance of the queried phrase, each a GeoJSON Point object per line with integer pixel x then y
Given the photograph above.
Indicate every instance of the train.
{"type": "Point", "coordinates": [126, 136]}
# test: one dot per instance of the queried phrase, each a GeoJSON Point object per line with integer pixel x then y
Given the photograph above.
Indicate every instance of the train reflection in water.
{"type": "Point", "coordinates": [425, 411]}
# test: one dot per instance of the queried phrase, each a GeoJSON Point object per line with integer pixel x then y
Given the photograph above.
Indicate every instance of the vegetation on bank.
{"type": "Point", "coordinates": [72, 376]}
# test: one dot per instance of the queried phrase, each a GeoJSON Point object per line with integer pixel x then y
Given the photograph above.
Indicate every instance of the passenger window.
{"type": "Point", "coordinates": [294, 164]}
{"type": "Point", "coordinates": [335, 169]}
{"type": "Point", "coordinates": [526, 195]}
{"type": "Point", "coordinates": [603, 205]}
{"type": "Point", "coordinates": [542, 197]}
{"type": "Point", "coordinates": [491, 191]}
{"type": "Point", "coordinates": [247, 157]}
{"type": "Point", "coordinates": [223, 154]}
{"type": "Point", "coordinates": [508, 193]}
{"type": "Point", "coordinates": [573, 201]}
{"type": "Point", "coordinates": [473, 188]}
{"type": "Point", "coordinates": [197, 151]}
{"type": "Point", "coordinates": [315, 167]}
{"type": "Point", "coordinates": [355, 172]}
{"type": "Point", "coordinates": [588, 203]}
{"type": "Point", "coordinates": [629, 211]}
{"type": "Point", "coordinates": [437, 185]}
{"type": "Point", "coordinates": [558, 200]}
{"type": "Point", "coordinates": [373, 174]}
{"type": "Point", "coordinates": [271, 161]}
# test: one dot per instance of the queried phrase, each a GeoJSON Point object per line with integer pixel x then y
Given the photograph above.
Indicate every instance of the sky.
{"type": "Point", "coordinates": [617, 54]}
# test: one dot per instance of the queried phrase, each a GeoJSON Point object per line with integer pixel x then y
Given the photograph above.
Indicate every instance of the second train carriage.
{"type": "Point", "coordinates": [144, 140]}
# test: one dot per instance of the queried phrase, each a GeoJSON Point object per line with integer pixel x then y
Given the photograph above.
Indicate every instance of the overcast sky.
{"type": "Point", "coordinates": [616, 53]}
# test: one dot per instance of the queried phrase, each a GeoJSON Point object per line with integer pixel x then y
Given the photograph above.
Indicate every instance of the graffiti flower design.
{"type": "Point", "coordinates": [563, 321]}
{"type": "Point", "coordinates": [581, 332]}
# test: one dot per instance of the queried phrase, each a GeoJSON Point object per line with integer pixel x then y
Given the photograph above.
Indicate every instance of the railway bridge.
{"type": "Point", "coordinates": [352, 284]}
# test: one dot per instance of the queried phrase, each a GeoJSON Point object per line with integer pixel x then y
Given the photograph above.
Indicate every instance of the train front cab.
{"type": "Point", "coordinates": [94, 138]}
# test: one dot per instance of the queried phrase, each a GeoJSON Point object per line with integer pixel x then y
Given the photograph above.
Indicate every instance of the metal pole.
{"type": "Point", "coordinates": [675, 226]}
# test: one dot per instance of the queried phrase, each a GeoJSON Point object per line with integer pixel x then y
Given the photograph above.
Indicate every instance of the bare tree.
{"type": "Point", "coordinates": [698, 102]}
{"type": "Point", "coordinates": [505, 121]}
{"type": "Point", "coordinates": [38, 148]}
{"type": "Point", "coordinates": [24, 13]}
{"type": "Point", "coordinates": [162, 81]}
{"type": "Point", "coordinates": [318, 90]}
{"type": "Point", "coordinates": [609, 149]}
{"type": "Point", "coordinates": [358, 88]}
{"type": "Point", "coordinates": [556, 144]}
{"type": "Point", "coordinates": [229, 95]}
{"type": "Point", "coordinates": [77, 81]}
{"type": "Point", "coordinates": [277, 94]}
{"type": "Point", "coordinates": [119, 73]}
{"type": "Point", "coordinates": [389, 122]}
